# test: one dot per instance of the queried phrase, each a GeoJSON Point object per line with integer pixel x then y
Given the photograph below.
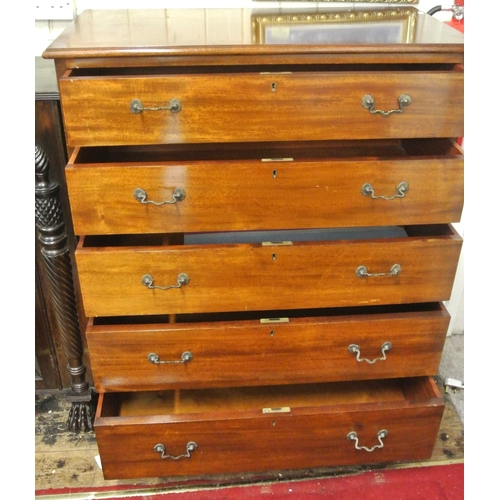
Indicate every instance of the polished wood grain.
{"type": "Point", "coordinates": [118, 35]}
{"type": "Point", "coordinates": [244, 277]}
{"type": "Point", "coordinates": [244, 106]}
{"type": "Point", "coordinates": [250, 352]}
{"type": "Point", "coordinates": [185, 405]}
{"type": "Point", "coordinates": [228, 195]}
{"type": "Point", "coordinates": [56, 259]}
{"type": "Point", "coordinates": [234, 92]}
{"type": "Point", "coordinates": [247, 440]}
{"type": "Point", "coordinates": [49, 352]}
{"type": "Point", "coordinates": [53, 441]}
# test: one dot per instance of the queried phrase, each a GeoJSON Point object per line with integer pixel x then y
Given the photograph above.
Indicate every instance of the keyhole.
{"type": "Point", "coordinates": [273, 87]}
{"type": "Point", "coordinates": [275, 173]}
{"type": "Point", "coordinates": [274, 256]}
{"type": "Point", "coordinates": [272, 333]}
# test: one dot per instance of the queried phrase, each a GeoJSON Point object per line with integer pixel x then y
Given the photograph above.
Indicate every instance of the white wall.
{"type": "Point", "coordinates": [46, 31]}
{"type": "Point", "coordinates": [130, 4]}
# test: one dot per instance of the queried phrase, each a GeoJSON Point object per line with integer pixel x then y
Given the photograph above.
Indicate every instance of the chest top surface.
{"type": "Point", "coordinates": [367, 32]}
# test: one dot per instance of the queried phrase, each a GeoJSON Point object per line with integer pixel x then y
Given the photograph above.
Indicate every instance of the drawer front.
{"type": "Point", "coordinates": [251, 440]}
{"type": "Point", "coordinates": [251, 195]}
{"type": "Point", "coordinates": [259, 107]}
{"type": "Point", "coordinates": [289, 351]}
{"type": "Point", "coordinates": [244, 277]}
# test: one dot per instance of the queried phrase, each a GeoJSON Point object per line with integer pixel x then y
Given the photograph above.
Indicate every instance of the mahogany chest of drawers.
{"type": "Point", "coordinates": [265, 236]}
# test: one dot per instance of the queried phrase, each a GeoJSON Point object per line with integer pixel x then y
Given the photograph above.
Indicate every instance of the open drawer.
{"type": "Point", "coordinates": [111, 107]}
{"type": "Point", "coordinates": [134, 275]}
{"type": "Point", "coordinates": [286, 186]}
{"type": "Point", "coordinates": [195, 432]}
{"type": "Point", "coordinates": [267, 347]}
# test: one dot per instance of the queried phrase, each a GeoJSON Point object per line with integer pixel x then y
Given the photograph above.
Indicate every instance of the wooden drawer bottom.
{"type": "Point", "coordinates": [211, 431]}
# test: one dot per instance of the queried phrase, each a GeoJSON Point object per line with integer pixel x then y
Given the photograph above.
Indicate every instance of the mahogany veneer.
{"type": "Point", "coordinates": [235, 434]}
{"type": "Point", "coordinates": [265, 234]}
{"type": "Point", "coordinates": [266, 347]}
{"type": "Point", "coordinates": [330, 187]}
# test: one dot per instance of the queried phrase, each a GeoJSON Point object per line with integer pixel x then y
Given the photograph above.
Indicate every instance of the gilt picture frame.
{"type": "Point", "coordinates": [387, 25]}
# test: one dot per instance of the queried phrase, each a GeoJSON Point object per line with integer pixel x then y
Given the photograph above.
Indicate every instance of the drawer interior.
{"type": "Point", "coordinates": [270, 317]}
{"type": "Point", "coordinates": [279, 399]}
{"type": "Point", "coordinates": [275, 238]}
{"type": "Point", "coordinates": [328, 150]}
{"type": "Point", "coordinates": [266, 238]}
{"type": "Point", "coordinates": [230, 69]}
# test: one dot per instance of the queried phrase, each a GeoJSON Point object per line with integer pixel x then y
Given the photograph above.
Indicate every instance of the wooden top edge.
{"type": "Point", "coordinates": [249, 50]}
{"type": "Point", "coordinates": [247, 32]}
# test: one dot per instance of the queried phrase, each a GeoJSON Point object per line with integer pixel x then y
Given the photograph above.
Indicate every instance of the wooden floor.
{"type": "Point", "coordinates": [66, 460]}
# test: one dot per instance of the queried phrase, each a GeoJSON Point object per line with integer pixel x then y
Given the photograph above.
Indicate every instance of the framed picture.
{"type": "Point", "coordinates": [393, 25]}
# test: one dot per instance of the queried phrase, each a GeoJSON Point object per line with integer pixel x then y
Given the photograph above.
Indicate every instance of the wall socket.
{"type": "Point", "coordinates": [54, 10]}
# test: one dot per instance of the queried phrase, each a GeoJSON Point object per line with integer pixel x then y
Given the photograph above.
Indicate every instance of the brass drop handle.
{"type": "Point", "coordinates": [182, 279]}
{"type": "Point", "coordinates": [355, 349]}
{"type": "Point", "coordinates": [362, 272]}
{"type": "Point", "coordinates": [186, 357]}
{"type": "Point", "coordinates": [368, 102]}
{"type": "Point", "coordinates": [141, 196]}
{"type": "Point", "coordinates": [160, 448]}
{"type": "Point", "coordinates": [401, 190]}
{"type": "Point", "coordinates": [353, 436]}
{"type": "Point", "coordinates": [174, 105]}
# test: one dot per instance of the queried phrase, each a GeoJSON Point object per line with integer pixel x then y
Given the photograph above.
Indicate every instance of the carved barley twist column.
{"type": "Point", "coordinates": [56, 258]}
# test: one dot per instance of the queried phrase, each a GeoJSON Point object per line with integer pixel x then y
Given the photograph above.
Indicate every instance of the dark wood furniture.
{"type": "Point", "coordinates": [59, 352]}
{"type": "Point", "coordinates": [49, 136]}
{"type": "Point", "coordinates": [264, 232]}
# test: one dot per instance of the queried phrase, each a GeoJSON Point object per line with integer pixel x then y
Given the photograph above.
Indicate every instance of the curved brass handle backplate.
{"type": "Point", "coordinates": [142, 197]}
{"type": "Point", "coordinates": [353, 436]}
{"type": "Point", "coordinates": [186, 357]}
{"type": "Point", "coordinates": [174, 105]}
{"type": "Point", "coordinates": [355, 349]}
{"type": "Point", "coordinates": [182, 279]}
{"type": "Point", "coordinates": [401, 190]}
{"type": "Point", "coordinates": [362, 272]}
{"type": "Point", "coordinates": [160, 448]}
{"type": "Point", "coordinates": [368, 102]}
